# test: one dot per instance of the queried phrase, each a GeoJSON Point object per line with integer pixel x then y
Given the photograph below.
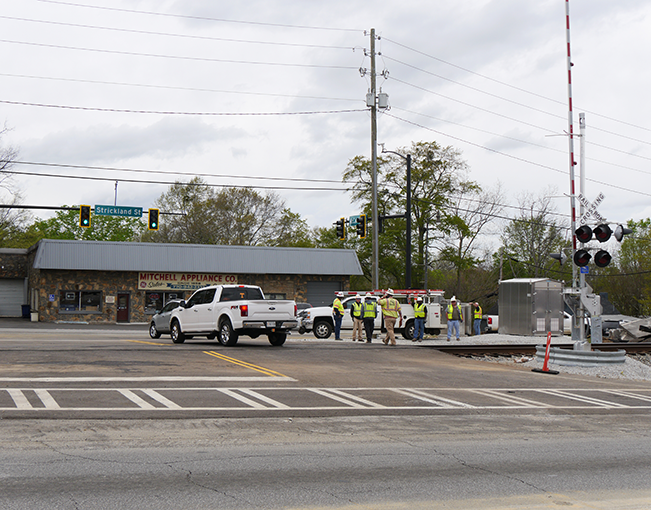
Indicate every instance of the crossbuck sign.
{"type": "Point", "coordinates": [591, 208]}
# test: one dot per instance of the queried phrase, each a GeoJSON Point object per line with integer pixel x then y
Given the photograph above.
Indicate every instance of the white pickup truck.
{"type": "Point", "coordinates": [227, 311]}
{"type": "Point", "coordinates": [320, 321]}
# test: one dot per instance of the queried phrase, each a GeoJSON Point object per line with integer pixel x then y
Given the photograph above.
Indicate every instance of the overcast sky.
{"type": "Point", "coordinates": [234, 90]}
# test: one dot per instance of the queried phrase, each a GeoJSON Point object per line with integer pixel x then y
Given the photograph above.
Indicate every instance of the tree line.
{"type": "Point", "coordinates": [456, 226]}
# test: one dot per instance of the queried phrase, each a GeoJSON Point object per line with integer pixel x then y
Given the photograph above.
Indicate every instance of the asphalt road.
{"type": "Point", "coordinates": [108, 418]}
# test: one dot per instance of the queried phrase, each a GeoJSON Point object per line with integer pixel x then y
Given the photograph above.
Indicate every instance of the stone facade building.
{"type": "Point", "coordinates": [92, 281]}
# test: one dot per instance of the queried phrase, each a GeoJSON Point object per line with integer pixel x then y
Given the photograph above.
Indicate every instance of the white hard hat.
{"type": "Point", "coordinates": [390, 292]}
{"type": "Point", "coordinates": [340, 294]}
{"type": "Point", "coordinates": [419, 298]}
{"type": "Point", "coordinates": [453, 299]}
{"type": "Point", "coordinates": [358, 296]}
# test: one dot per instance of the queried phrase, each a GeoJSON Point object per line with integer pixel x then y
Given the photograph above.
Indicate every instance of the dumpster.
{"type": "Point", "coordinates": [26, 311]}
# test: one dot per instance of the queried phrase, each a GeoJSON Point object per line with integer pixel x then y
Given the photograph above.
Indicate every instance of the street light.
{"type": "Point", "coordinates": [407, 216]}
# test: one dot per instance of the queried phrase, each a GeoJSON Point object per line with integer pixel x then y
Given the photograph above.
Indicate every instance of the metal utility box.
{"type": "Point", "coordinates": [531, 307]}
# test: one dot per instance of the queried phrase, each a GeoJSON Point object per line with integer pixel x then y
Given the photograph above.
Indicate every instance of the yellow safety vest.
{"type": "Point", "coordinates": [477, 313]}
{"type": "Point", "coordinates": [370, 309]}
{"type": "Point", "coordinates": [336, 305]}
{"type": "Point", "coordinates": [390, 307]}
{"type": "Point", "coordinates": [450, 310]}
{"type": "Point", "coordinates": [419, 310]}
{"type": "Point", "coordinates": [356, 310]}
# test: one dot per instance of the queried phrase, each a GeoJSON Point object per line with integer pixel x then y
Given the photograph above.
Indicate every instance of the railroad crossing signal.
{"type": "Point", "coordinates": [152, 223]}
{"type": "Point", "coordinates": [601, 233]}
{"type": "Point", "coordinates": [84, 216]}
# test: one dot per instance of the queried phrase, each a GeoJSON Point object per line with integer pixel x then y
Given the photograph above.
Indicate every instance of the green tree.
{"type": "Point", "coordinates": [531, 237]}
{"type": "Point", "coordinates": [438, 175]}
{"type": "Point", "coordinates": [65, 225]}
{"type": "Point", "coordinates": [230, 216]}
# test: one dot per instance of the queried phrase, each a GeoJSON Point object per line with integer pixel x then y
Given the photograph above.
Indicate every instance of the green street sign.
{"type": "Point", "coordinates": [353, 220]}
{"type": "Point", "coordinates": [118, 210]}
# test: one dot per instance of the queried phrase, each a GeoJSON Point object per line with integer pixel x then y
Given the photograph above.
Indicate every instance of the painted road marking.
{"type": "Point", "coordinates": [244, 364]}
{"type": "Point", "coordinates": [279, 399]}
{"type": "Point", "coordinates": [179, 378]}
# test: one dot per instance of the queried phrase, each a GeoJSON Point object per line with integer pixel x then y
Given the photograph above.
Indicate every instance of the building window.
{"type": "Point", "coordinates": [156, 300]}
{"type": "Point", "coordinates": [82, 301]}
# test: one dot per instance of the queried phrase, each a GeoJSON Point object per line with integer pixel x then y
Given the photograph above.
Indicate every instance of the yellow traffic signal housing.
{"type": "Point", "coordinates": [152, 223]}
{"type": "Point", "coordinates": [84, 216]}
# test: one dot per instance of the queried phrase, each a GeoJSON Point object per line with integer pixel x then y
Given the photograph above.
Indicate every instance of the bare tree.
{"type": "Point", "coordinates": [12, 221]}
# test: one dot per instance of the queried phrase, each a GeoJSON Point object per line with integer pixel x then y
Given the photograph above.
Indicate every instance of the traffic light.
{"type": "Point", "coordinates": [341, 228]}
{"type": "Point", "coordinates": [84, 216]}
{"type": "Point", "coordinates": [361, 226]}
{"type": "Point", "coordinates": [561, 257]}
{"type": "Point", "coordinates": [582, 258]}
{"type": "Point", "coordinates": [152, 223]}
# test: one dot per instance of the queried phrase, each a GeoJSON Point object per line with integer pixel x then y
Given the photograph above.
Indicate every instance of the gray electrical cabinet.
{"type": "Point", "coordinates": [531, 307]}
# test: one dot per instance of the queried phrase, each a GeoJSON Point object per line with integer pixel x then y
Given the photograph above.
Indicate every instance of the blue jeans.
{"type": "Point", "coordinates": [338, 327]}
{"type": "Point", "coordinates": [453, 327]}
{"type": "Point", "coordinates": [419, 328]}
{"type": "Point", "coordinates": [477, 325]}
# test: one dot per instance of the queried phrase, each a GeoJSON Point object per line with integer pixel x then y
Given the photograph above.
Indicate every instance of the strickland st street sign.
{"type": "Point", "coordinates": [117, 210]}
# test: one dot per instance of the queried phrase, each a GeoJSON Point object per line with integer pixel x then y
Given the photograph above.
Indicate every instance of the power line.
{"type": "Point", "coordinates": [185, 36]}
{"type": "Point", "coordinates": [511, 86]}
{"type": "Point", "coordinates": [171, 87]}
{"type": "Point", "coordinates": [511, 156]}
{"type": "Point", "coordinates": [166, 172]}
{"type": "Point", "coordinates": [177, 57]}
{"type": "Point", "coordinates": [168, 183]}
{"type": "Point", "coordinates": [156, 112]}
{"type": "Point", "coordinates": [201, 18]}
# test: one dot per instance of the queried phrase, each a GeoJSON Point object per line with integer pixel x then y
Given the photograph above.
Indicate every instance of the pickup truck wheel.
{"type": "Point", "coordinates": [153, 332]}
{"type": "Point", "coordinates": [227, 336]}
{"type": "Point", "coordinates": [408, 332]}
{"type": "Point", "coordinates": [322, 329]}
{"type": "Point", "coordinates": [175, 332]}
{"type": "Point", "coordinates": [277, 339]}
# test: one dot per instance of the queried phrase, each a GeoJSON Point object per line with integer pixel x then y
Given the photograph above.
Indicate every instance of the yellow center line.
{"type": "Point", "coordinates": [244, 364]}
{"type": "Point", "coordinates": [142, 342]}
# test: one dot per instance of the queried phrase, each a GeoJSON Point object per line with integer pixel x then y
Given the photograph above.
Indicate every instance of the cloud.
{"type": "Point", "coordinates": [168, 138]}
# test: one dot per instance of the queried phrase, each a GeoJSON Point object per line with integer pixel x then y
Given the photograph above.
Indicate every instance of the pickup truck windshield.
{"type": "Point", "coordinates": [237, 293]}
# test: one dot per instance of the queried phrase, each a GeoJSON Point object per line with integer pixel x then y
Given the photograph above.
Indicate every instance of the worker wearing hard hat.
{"type": "Point", "coordinates": [369, 313]}
{"type": "Point", "coordinates": [420, 314]}
{"type": "Point", "coordinates": [338, 314]}
{"type": "Point", "coordinates": [455, 317]}
{"type": "Point", "coordinates": [356, 313]}
{"type": "Point", "coordinates": [477, 317]}
{"type": "Point", "coordinates": [392, 312]}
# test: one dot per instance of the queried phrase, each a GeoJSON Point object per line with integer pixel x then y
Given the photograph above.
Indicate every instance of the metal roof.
{"type": "Point", "coordinates": [196, 258]}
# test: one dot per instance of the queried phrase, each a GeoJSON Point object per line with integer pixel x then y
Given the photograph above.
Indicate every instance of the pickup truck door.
{"type": "Point", "coordinates": [198, 313]}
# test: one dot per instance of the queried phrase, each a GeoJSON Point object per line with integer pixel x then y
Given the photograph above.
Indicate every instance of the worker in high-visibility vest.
{"type": "Point", "coordinates": [369, 313]}
{"type": "Point", "coordinates": [455, 317]}
{"type": "Point", "coordinates": [338, 314]}
{"type": "Point", "coordinates": [477, 317]}
{"type": "Point", "coordinates": [420, 314]}
{"type": "Point", "coordinates": [356, 315]}
{"type": "Point", "coordinates": [392, 312]}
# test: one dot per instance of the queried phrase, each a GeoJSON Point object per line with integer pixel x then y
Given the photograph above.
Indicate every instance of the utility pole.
{"type": "Point", "coordinates": [374, 220]}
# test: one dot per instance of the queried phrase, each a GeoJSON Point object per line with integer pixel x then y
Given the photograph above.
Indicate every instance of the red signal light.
{"type": "Point", "coordinates": [582, 258]}
{"type": "Point", "coordinates": [602, 258]}
{"type": "Point", "coordinates": [583, 233]}
{"type": "Point", "coordinates": [602, 233]}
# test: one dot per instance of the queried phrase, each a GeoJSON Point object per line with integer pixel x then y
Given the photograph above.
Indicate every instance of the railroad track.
{"type": "Point", "coordinates": [504, 349]}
